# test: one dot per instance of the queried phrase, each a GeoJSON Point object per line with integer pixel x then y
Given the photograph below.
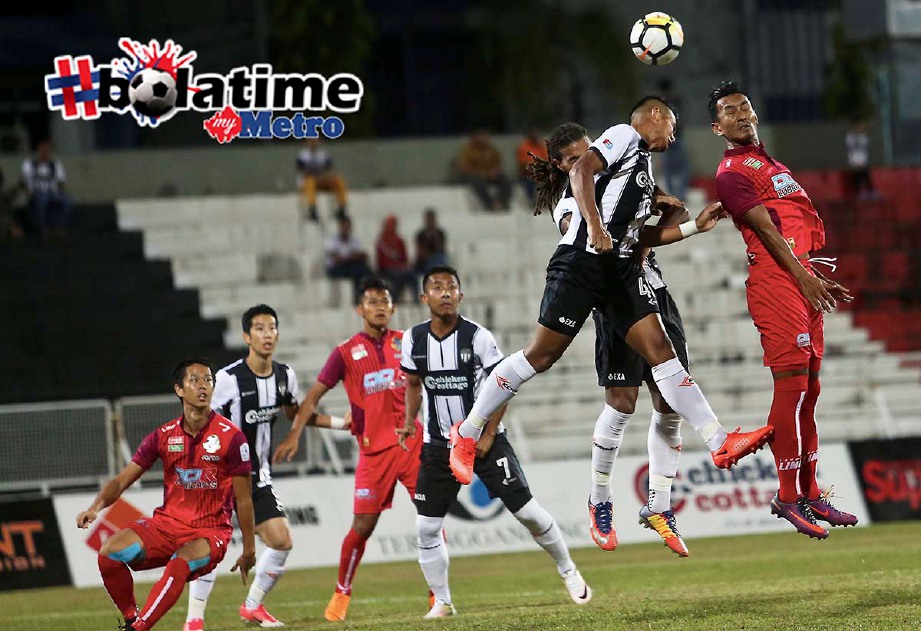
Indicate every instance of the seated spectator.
{"type": "Point", "coordinates": [43, 178]}
{"type": "Point", "coordinates": [532, 144]}
{"type": "Point", "coordinates": [431, 243]}
{"type": "Point", "coordinates": [345, 257]}
{"type": "Point", "coordinates": [480, 165]}
{"type": "Point", "coordinates": [393, 260]}
{"type": "Point", "coordinates": [315, 171]}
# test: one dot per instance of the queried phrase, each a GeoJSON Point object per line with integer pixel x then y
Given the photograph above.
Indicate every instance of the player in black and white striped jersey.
{"type": "Point", "coordinates": [251, 392]}
{"type": "Point", "coordinates": [621, 370]}
{"type": "Point", "coordinates": [614, 191]}
{"type": "Point", "coordinates": [446, 359]}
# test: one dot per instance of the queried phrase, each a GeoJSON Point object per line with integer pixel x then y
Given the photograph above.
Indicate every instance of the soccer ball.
{"type": "Point", "coordinates": [657, 39]}
{"type": "Point", "coordinates": [152, 92]}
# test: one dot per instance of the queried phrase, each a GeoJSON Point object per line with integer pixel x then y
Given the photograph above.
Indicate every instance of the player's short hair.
{"type": "Point", "coordinates": [252, 312]}
{"type": "Point", "coordinates": [440, 269]}
{"type": "Point", "coordinates": [653, 98]}
{"type": "Point", "coordinates": [725, 88]}
{"type": "Point", "coordinates": [179, 371]}
{"type": "Point", "coordinates": [372, 283]}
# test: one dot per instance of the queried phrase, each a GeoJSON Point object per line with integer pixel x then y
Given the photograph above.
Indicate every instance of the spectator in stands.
{"type": "Point", "coordinates": [858, 159]}
{"type": "Point", "coordinates": [533, 144]}
{"type": "Point", "coordinates": [10, 219]}
{"type": "Point", "coordinates": [480, 165]}
{"type": "Point", "coordinates": [345, 258]}
{"type": "Point", "coordinates": [393, 260]}
{"type": "Point", "coordinates": [431, 243]}
{"type": "Point", "coordinates": [43, 176]}
{"type": "Point", "coordinates": [315, 171]}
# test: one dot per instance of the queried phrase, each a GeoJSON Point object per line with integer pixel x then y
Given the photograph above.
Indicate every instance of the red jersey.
{"type": "Point", "coordinates": [197, 470]}
{"type": "Point", "coordinates": [747, 177]}
{"type": "Point", "coordinates": [375, 384]}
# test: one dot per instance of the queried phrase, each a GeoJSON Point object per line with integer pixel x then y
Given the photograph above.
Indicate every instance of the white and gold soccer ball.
{"type": "Point", "coordinates": [657, 39]}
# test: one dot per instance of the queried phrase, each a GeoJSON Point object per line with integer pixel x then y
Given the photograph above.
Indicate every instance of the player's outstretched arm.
{"type": "Point", "coordinates": [653, 236]}
{"type": "Point", "coordinates": [111, 491]}
{"type": "Point", "coordinates": [815, 290]}
{"type": "Point", "coordinates": [289, 446]}
{"type": "Point", "coordinates": [413, 399]}
{"type": "Point", "coordinates": [243, 494]}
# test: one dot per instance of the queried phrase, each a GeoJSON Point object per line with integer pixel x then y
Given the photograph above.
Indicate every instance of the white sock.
{"type": "Point", "coordinates": [269, 568]}
{"type": "Point", "coordinates": [664, 445]}
{"type": "Point", "coordinates": [497, 389]}
{"type": "Point", "coordinates": [546, 533]}
{"type": "Point", "coordinates": [685, 398]}
{"type": "Point", "coordinates": [199, 591]}
{"type": "Point", "coordinates": [433, 555]}
{"type": "Point", "coordinates": [609, 431]}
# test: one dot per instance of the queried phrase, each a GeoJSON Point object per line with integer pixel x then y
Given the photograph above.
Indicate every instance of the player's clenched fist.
{"type": "Point", "coordinates": [85, 518]}
{"type": "Point", "coordinates": [600, 239]}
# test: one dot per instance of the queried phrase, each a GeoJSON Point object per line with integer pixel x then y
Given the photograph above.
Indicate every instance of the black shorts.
{"type": "Point", "coordinates": [499, 471]}
{"type": "Point", "coordinates": [630, 296]}
{"type": "Point", "coordinates": [266, 504]}
{"type": "Point", "coordinates": [618, 365]}
{"type": "Point", "coordinates": [575, 285]}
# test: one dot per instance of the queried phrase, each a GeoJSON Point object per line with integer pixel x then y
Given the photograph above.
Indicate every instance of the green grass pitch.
{"type": "Point", "coordinates": [867, 578]}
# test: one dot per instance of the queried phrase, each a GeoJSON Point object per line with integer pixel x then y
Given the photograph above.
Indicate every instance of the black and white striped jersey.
{"type": "Point", "coordinates": [253, 403]}
{"type": "Point", "coordinates": [623, 191]}
{"type": "Point", "coordinates": [451, 369]}
{"type": "Point", "coordinates": [567, 207]}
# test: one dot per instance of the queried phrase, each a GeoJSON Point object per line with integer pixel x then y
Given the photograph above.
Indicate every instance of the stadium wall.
{"type": "Point", "coordinates": [708, 502]}
{"type": "Point", "coordinates": [247, 167]}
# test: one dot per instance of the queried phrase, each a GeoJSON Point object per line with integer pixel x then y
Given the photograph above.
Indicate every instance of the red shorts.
{"type": "Point", "coordinates": [377, 474]}
{"type": "Point", "coordinates": [792, 332]}
{"type": "Point", "coordinates": [162, 537]}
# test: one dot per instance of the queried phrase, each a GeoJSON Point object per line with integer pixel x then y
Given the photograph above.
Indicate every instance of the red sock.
{"type": "Point", "coordinates": [353, 547]}
{"type": "Point", "coordinates": [166, 592]}
{"type": "Point", "coordinates": [787, 445]}
{"type": "Point", "coordinates": [810, 433]}
{"type": "Point", "coordinates": [120, 584]}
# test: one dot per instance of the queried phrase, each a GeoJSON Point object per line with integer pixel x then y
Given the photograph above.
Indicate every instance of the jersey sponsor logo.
{"type": "Point", "coordinates": [446, 382]}
{"type": "Point", "coordinates": [396, 343]}
{"type": "Point", "coordinates": [365, 494]}
{"type": "Point", "coordinates": [263, 415]}
{"type": "Point", "coordinates": [752, 162]}
{"type": "Point", "coordinates": [687, 382]}
{"type": "Point", "coordinates": [643, 181]}
{"type": "Point", "coordinates": [175, 447]}
{"type": "Point", "coordinates": [466, 355]}
{"type": "Point", "coordinates": [505, 384]}
{"type": "Point", "coordinates": [192, 479]}
{"type": "Point", "coordinates": [420, 497]}
{"type": "Point", "coordinates": [728, 163]}
{"type": "Point", "coordinates": [785, 185]}
{"type": "Point", "coordinates": [617, 376]}
{"type": "Point", "coordinates": [212, 444]}
{"type": "Point", "coordinates": [607, 143]}
{"type": "Point", "coordinates": [359, 352]}
{"type": "Point", "coordinates": [378, 381]}
{"type": "Point", "coordinates": [248, 393]}
{"type": "Point", "coordinates": [175, 440]}
{"type": "Point", "coordinates": [244, 452]}
{"type": "Point", "coordinates": [167, 428]}
{"type": "Point", "coordinates": [803, 339]}
{"type": "Point", "coordinates": [210, 458]}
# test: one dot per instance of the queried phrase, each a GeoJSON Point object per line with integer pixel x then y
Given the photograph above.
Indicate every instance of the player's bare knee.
{"type": "Point", "coordinates": [621, 399]}
{"type": "Point", "coordinates": [541, 360]}
{"type": "Point", "coordinates": [364, 525]}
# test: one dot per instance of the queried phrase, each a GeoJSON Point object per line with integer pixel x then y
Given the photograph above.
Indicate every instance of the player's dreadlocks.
{"type": "Point", "coordinates": [549, 180]}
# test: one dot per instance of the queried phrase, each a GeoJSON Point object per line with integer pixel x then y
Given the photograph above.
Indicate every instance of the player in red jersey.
{"type": "Point", "coordinates": [369, 365]}
{"type": "Point", "coordinates": [786, 298]}
{"type": "Point", "coordinates": [206, 469]}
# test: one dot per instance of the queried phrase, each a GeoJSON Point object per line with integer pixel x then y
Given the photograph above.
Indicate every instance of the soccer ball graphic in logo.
{"type": "Point", "coordinates": [657, 39]}
{"type": "Point", "coordinates": [152, 92]}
